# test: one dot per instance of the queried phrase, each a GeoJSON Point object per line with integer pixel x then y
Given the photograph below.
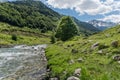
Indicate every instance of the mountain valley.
{"type": "Point", "coordinates": [76, 50]}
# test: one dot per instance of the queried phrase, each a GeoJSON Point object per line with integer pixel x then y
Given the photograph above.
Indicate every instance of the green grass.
{"type": "Point", "coordinates": [95, 66]}
{"type": "Point", "coordinates": [62, 61]}
{"type": "Point", "coordinates": [24, 35]}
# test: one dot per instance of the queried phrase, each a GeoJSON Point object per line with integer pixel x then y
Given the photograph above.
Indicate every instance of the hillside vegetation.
{"type": "Point", "coordinates": [24, 35]}
{"type": "Point", "coordinates": [97, 56]}
{"type": "Point", "coordinates": [34, 14]}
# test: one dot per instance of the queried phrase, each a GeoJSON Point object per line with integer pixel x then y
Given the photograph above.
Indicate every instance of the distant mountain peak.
{"type": "Point", "coordinates": [102, 25]}
{"type": "Point", "coordinates": [118, 23]}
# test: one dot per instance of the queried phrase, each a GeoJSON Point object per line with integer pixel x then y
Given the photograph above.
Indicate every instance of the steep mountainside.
{"type": "Point", "coordinates": [86, 28]}
{"type": "Point", "coordinates": [102, 25]}
{"type": "Point", "coordinates": [34, 14]}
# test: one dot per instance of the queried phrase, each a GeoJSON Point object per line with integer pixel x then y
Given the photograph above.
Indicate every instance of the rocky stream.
{"type": "Point", "coordinates": [23, 63]}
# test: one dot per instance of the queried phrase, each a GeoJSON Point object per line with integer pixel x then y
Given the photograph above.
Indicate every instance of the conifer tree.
{"type": "Point", "coordinates": [66, 28]}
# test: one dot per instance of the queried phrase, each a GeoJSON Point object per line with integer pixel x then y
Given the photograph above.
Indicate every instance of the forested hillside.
{"type": "Point", "coordinates": [34, 14]}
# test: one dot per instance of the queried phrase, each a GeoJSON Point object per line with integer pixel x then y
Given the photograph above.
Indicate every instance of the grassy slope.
{"type": "Point", "coordinates": [94, 66]}
{"type": "Point", "coordinates": [25, 35]}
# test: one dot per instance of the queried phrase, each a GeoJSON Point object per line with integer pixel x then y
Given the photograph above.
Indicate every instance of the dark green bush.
{"type": "Point", "coordinates": [14, 37]}
{"type": "Point", "coordinates": [53, 39]}
{"type": "Point", "coordinates": [102, 46]}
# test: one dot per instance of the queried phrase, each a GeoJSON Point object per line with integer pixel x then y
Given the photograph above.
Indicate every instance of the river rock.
{"type": "Point", "coordinates": [116, 58]}
{"type": "Point", "coordinates": [74, 51]}
{"type": "Point", "coordinates": [80, 59]}
{"type": "Point", "coordinates": [100, 52]}
{"type": "Point", "coordinates": [114, 43]}
{"type": "Point", "coordinates": [53, 78]}
{"type": "Point", "coordinates": [119, 62]}
{"type": "Point", "coordinates": [95, 45]}
{"type": "Point", "coordinates": [73, 78]}
{"type": "Point", "coordinates": [77, 72]}
{"type": "Point", "coordinates": [71, 61]}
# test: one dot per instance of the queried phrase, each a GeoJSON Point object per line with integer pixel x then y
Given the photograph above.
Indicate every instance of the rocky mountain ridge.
{"type": "Point", "coordinates": [102, 25]}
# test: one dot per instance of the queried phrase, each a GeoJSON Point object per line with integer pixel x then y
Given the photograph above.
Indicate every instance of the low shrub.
{"type": "Point", "coordinates": [14, 37]}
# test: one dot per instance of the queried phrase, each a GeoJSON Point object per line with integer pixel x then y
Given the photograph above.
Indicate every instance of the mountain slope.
{"type": "Point", "coordinates": [34, 14]}
{"type": "Point", "coordinates": [102, 25]}
{"type": "Point", "coordinates": [93, 57]}
{"type": "Point", "coordinates": [86, 28]}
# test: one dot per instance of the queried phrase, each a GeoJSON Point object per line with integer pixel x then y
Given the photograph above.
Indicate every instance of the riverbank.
{"type": "Point", "coordinates": [13, 35]}
{"type": "Point", "coordinates": [5, 46]}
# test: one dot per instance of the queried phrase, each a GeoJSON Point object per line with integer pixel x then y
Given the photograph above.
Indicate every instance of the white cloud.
{"type": "Point", "coordinates": [63, 4]}
{"type": "Point", "coordinates": [108, 2]}
{"type": "Point", "coordinates": [91, 7]}
{"type": "Point", "coordinates": [112, 18]}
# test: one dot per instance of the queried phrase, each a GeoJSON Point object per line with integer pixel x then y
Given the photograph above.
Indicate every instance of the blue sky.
{"type": "Point", "coordinates": [85, 10]}
{"type": "Point", "coordinates": [84, 17]}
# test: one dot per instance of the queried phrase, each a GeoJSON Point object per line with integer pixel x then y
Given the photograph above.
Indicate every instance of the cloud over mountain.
{"type": "Point", "coordinates": [91, 7]}
{"type": "Point", "coordinates": [112, 18]}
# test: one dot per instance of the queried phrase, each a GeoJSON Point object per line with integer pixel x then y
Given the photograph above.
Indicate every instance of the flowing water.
{"type": "Point", "coordinates": [23, 63]}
